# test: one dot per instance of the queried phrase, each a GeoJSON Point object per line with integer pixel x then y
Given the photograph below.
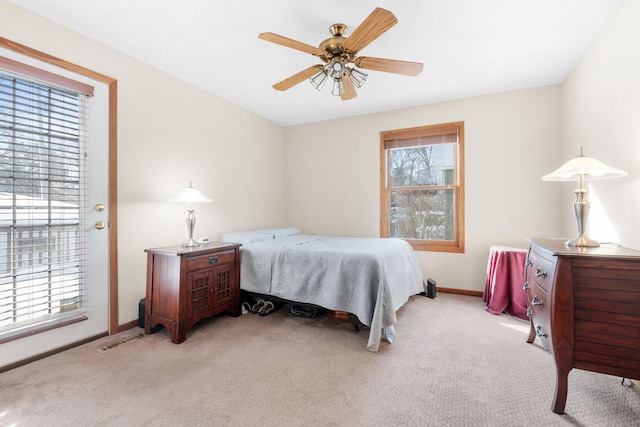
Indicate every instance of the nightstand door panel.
{"type": "Point", "coordinates": [224, 293]}
{"type": "Point", "coordinates": [200, 287]}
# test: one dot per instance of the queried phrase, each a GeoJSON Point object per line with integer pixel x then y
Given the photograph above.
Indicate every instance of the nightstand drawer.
{"type": "Point", "coordinates": [211, 260]}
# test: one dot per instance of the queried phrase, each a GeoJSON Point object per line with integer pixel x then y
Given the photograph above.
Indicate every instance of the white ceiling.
{"type": "Point", "coordinates": [468, 47]}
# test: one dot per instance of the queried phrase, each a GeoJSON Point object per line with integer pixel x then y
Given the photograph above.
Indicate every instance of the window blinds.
{"type": "Point", "coordinates": [42, 206]}
{"type": "Point", "coordinates": [439, 135]}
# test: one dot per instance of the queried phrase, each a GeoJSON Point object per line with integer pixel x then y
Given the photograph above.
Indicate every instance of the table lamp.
{"type": "Point", "coordinates": [190, 195]}
{"type": "Point", "coordinates": [581, 168]}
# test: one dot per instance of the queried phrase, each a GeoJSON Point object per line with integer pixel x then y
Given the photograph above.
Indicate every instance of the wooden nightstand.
{"type": "Point", "coordinates": [186, 285]}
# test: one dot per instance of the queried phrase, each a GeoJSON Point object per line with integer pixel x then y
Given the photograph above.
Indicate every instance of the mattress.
{"type": "Point", "coordinates": [370, 278]}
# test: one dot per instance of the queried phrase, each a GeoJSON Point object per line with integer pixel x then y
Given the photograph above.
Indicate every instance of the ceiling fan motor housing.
{"type": "Point", "coordinates": [334, 46]}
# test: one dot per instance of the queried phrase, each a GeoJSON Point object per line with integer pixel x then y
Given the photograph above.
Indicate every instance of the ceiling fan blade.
{"type": "Point", "coordinates": [389, 65]}
{"type": "Point", "coordinates": [379, 21]}
{"type": "Point", "coordinates": [349, 88]}
{"type": "Point", "coordinates": [293, 44]}
{"type": "Point", "coordinates": [289, 82]}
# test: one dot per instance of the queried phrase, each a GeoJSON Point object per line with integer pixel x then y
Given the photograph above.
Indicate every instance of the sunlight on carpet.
{"type": "Point", "coordinates": [524, 328]}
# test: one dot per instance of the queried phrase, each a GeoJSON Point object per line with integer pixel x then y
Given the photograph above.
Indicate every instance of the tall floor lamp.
{"type": "Point", "coordinates": [190, 195]}
{"type": "Point", "coordinates": [583, 168]}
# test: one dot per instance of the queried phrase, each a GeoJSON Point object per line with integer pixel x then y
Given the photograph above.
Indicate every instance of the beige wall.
{"type": "Point", "coordinates": [511, 140]}
{"type": "Point", "coordinates": [169, 133]}
{"type": "Point", "coordinates": [601, 112]}
{"type": "Point", "coordinates": [324, 177]}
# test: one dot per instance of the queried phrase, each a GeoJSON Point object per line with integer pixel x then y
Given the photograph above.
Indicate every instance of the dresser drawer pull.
{"type": "Point", "coordinates": [213, 260]}
{"type": "Point", "coordinates": [529, 263]}
{"type": "Point", "coordinates": [529, 312]}
{"type": "Point", "coordinates": [526, 286]}
{"type": "Point", "coordinates": [539, 332]}
{"type": "Point", "coordinates": [536, 301]}
{"type": "Point", "coordinates": [540, 273]}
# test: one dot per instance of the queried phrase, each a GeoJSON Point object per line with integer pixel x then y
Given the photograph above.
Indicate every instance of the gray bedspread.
{"type": "Point", "coordinates": [368, 277]}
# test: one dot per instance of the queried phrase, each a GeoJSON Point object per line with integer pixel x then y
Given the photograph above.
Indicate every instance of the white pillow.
{"type": "Point", "coordinates": [245, 237]}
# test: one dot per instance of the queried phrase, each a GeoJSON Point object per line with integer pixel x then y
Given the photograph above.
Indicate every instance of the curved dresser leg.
{"type": "Point", "coordinates": [560, 398]}
{"type": "Point", "coordinates": [532, 332]}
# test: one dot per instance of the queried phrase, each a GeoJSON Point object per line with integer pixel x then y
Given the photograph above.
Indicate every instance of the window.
{"type": "Point", "coordinates": [422, 186]}
{"type": "Point", "coordinates": [42, 238]}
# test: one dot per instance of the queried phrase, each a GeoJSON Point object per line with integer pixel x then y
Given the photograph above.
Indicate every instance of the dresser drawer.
{"type": "Point", "coordinates": [538, 306]}
{"type": "Point", "coordinates": [210, 260]}
{"type": "Point", "coordinates": [540, 270]}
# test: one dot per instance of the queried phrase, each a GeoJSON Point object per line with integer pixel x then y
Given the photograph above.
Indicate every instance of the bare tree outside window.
{"type": "Point", "coordinates": [421, 187]}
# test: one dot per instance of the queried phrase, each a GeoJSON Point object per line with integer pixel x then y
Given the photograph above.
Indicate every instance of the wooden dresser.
{"type": "Point", "coordinates": [186, 285]}
{"type": "Point", "coordinates": [584, 306]}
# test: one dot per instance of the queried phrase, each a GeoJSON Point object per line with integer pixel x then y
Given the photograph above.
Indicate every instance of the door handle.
{"type": "Point", "coordinates": [99, 225]}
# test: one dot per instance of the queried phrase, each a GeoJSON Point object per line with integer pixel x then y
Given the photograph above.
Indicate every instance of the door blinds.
{"type": "Point", "coordinates": [42, 205]}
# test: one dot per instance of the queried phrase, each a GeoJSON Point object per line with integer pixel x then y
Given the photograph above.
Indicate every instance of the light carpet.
{"type": "Point", "coordinates": [451, 364]}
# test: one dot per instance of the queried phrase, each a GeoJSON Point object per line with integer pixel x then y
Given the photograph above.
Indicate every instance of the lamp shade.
{"type": "Point", "coordinates": [580, 169]}
{"type": "Point", "coordinates": [588, 167]}
{"type": "Point", "coordinates": [190, 195]}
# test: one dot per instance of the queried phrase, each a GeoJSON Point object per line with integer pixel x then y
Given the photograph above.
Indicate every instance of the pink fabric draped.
{"type": "Point", "coordinates": [505, 278]}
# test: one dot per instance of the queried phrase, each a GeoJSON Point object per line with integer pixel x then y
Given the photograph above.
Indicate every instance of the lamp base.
{"type": "Point", "coordinates": [191, 224]}
{"type": "Point", "coordinates": [582, 241]}
{"type": "Point", "coordinates": [191, 244]}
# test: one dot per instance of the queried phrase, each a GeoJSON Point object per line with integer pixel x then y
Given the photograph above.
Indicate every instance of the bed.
{"type": "Point", "coordinates": [370, 278]}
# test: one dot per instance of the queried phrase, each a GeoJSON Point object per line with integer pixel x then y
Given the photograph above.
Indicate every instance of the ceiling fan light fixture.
{"type": "Point", "coordinates": [318, 80]}
{"type": "Point", "coordinates": [338, 87]}
{"type": "Point", "coordinates": [357, 77]}
{"type": "Point", "coordinates": [336, 68]}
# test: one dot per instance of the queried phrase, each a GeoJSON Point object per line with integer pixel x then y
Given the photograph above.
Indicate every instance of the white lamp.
{"type": "Point", "coordinates": [190, 195]}
{"type": "Point", "coordinates": [582, 168]}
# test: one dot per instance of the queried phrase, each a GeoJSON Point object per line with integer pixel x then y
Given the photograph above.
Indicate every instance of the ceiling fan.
{"type": "Point", "coordinates": [339, 55]}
